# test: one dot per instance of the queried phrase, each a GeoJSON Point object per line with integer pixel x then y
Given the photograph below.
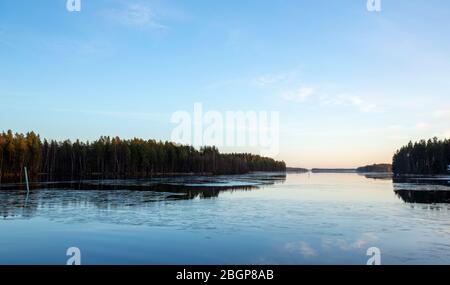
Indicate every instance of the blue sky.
{"type": "Point", "coordinates": [351, 86]}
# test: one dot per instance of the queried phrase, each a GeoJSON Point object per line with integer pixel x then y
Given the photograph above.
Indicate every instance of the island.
{"type": "Point", "coordinates": [296, 170]}
{"type": "Point", "coordinates": [375, 168]}
{"type": "Point", "coordinates": [333, 170]}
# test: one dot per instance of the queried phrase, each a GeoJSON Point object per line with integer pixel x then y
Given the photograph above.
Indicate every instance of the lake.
{"type": "Point", "coordinates": [248, 219]}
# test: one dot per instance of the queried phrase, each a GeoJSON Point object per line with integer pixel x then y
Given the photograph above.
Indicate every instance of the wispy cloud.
{"type": "Point", "coordinates": [273, 82]}
{"type": "Point", "coordinates": [300, 95]}
{"type": "Point", "coordinates": [275, 79]}
{"type": "Point", "coordinates": [349, 100]}
{"type": "Point", "coordinates": [268, 80]}
{"type": "Point", "coordinates": [135, 14]}
{"type": "Point", "coordinates": [283, 84]}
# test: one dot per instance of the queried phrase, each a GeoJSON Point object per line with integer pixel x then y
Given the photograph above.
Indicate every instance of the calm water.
{"type": "Point", "coordinates": [262, 219]}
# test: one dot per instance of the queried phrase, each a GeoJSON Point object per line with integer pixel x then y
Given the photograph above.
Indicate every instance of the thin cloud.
{"type": "Point", "coordinates": [350, 100]}
{"type": "Point", "coordinates": [135, 15]}
{"type": "Point", "coordinates": [268, 80]}
{"type": "Point", "coordinates": [300, 95]}
{"type": "Point", "coordinates": [271, 80]}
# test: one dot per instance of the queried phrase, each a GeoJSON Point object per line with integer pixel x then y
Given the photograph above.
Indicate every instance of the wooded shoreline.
{"type": "Point", "coordinates": [430, 157]}
{"type": "Point", "coordinates": [116, 158]}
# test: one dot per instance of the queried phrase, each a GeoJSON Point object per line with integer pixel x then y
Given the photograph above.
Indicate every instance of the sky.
{"type": "Point", "coordinates": [350, 86]}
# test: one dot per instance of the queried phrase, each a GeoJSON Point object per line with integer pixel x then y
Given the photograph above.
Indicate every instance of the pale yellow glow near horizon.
{"type": "Point", "coordinates": [341, 156]}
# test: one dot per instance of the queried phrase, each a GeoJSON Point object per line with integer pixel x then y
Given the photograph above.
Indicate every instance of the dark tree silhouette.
{"type": "Point", "coordinates": [382, 167]}
{"type": "Point", "coordinates": [424, 157]}
{"type": "Point", "coordinates": [117, 158]}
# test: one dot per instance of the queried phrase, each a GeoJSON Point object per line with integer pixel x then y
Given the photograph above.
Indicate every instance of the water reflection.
{"type": "Point", "coordinates": [309, 219]}
{"type": "Point", "coordinates": [114, 194]}
{"type": "Point", "coordinates": [377, 176]}
{"type": "Point", "coordinates": [424, 190]}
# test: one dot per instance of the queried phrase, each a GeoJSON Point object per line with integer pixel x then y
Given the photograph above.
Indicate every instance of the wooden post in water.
{"type": "Point", "coordinates": [26, 180]}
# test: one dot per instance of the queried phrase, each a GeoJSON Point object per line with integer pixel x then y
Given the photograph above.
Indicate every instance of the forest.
{"type": "Point", "coordinates": [423, 157]}
{"type": "Point", "coordinates": [382, 167]}
{"type": "Point", "coordinates": [108, 158]}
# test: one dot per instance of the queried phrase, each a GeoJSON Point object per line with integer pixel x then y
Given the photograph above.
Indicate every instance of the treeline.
{"type": "Point", "coordinates": [333, 170]}
{"type": "Point", "coordinates": [116, 158]}
{"type": "Point", "coordinates": [382, 167]}
{"type": "Point", "coordinates": [296, 170]}
{"type": "Point", "coordinates": [423, 157]}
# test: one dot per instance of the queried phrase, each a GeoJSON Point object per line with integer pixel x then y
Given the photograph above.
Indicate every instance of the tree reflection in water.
{"type": "Point", "coordinates": [111, 194]}
{"type": "Point", "coordinates": [423, 190]}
